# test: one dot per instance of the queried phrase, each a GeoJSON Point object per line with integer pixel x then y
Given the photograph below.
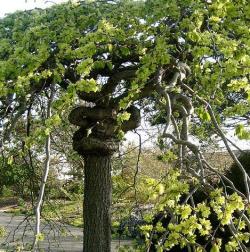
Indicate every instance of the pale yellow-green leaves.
{"type": "Point", "coordinates": [203, 209]}
{"type": "Point", "coordinates": [232, 246]}
{"type": "Point", "coordinates": [242, 132]}
{"type": "Point", "coordinates": [39, 134]}
{"type": "Point", "coordinates": [187, 223]}
{"type": "Point", "coordinates": [10, 160]}
{"type": "Point", "coordinates": [206, 226]}
{"type": "Point", "coordinates": [225, 207]}
{"type": "Point", "coordinates": [40, 237]}
{"type": "Point", "coordinates": [203, 114]}
{"type": "Point", "coordinates": [194, 36]}
{"type": "Point", "coordinates": [85, 67]}
{"type": "Point", "coordinates": [53, 121]}
{"type": "Point", "coordinates": [216, 247]}
{"type": "Point", "coordinates": [87, 85]}
{"type": "Point", "coordinates": [183, 233]}
{"type": "Point", "coordinates": [212, 37]}
{"type": "Point", "coordinates": [184, 211]}
{"type": "Point", "coordinates": [3, 231]}
{"type": "Point", "coordinates": [239, 84]}
{"type": "Point", "coordinates": [169, 156]}
{"type": "Point", "coordinates": [122, 117]}
{"type": "Point", "coordinates": [146, 229]}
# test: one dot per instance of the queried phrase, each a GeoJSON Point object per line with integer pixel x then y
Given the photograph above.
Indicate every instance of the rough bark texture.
{"type": "Point", "coordinates": [96, 140]}
{"type": "Point", "coordinates": [97, 202]}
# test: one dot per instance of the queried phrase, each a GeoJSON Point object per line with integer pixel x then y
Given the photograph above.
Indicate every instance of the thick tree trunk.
{"type": "Point", "coordinates": [97, 202]}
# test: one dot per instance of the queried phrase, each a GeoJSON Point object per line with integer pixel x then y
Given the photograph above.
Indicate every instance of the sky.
{"type": "Point", "coordinates": [9, 6]}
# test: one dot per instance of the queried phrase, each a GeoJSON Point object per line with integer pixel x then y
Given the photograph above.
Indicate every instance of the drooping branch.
{"type": "Point", "coordinates": [165, 94]}
{"type": "Point", "coordinates": [126, 74]}
{"type": "Point", "coordinates": [223, 137]}
{"type": "Point", "coordinates": [114, 78]}
{"type": "Point", "coordinates": [180, 147]}
{"type": "Point", "coordinates": [79, 114]}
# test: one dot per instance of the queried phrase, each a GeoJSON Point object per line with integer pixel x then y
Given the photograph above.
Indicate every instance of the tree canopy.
{"type": "Point", "coordinates": [187, 62]}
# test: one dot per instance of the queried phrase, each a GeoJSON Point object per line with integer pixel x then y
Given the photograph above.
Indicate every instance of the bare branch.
{"type": "Point", "coordinates": [45, 175]}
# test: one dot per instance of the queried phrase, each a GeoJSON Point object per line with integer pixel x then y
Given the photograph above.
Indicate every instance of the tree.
{"type": "Point", "coordinates": [121, 57]}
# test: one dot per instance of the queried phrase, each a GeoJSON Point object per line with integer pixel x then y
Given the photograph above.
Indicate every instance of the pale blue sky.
{"type": "Point", "coordinates": [9, 6]}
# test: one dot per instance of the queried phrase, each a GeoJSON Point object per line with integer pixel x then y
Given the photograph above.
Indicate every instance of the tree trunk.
{"type": "Point", "coordinates": [97, 202]}
{"type": "Point", "coordinates": [97, 148]}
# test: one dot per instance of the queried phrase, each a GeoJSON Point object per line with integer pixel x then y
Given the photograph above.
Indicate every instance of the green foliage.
{"type": "Point", "coordinates": [210, 37]}
{"type": "Point", "coordinates": [2, 232]}
{"type": "Point", "coordinates": [204, 115]}
{"type": "Point", "coordinates": [6, 191]}
{"type": "Point", "coordinates": [75, 46]}
{"type": "Point", "coordinates": [241, 132]}
{"type": "Point", "coordinates": [168, 156]}
{"type": "Point", "coordinates": [40, 237]}
{"type": "Point", "coordinates": [13, 176]}
{"type": "Point", "coordinates": [123, 117]}
{"type": "Point", "coordinates": [34, 46]}
{"type": "Point", "coordinates": [189, 221]}
{"type": "Point", "coordinates": [224, 208]}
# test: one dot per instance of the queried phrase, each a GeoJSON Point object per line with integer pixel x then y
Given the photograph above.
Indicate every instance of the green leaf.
{"type": "Point", "coordinates": [120, 135]}
{"type": "Point", "coordinates": [215, 248]}
{"type": "Point", "coordinates": [99, 64]}
{"type": "Point", "coordinates": [194, 36]}
{"type": "Point", "coordinates": [10, 160]}
{"type": "Point", "coordinates": [110, 47]}
{"type": "Point", "coordinates": [3, 231]}
{"type": "Point", "coordinates": [47, 131]}
{"type": "Point", "coordinates": [125, 51]}
{"type": "Point", "coordinates": [87, 85]}
{"type": "Point", "coordinates": [169, 156]}
{"type": "Point", "coordinates": [204, 115]}
{"type": "Point", "coordinates": [40, 237]}
{"type": "Point", "coordinates": [241, 132]}
{"type": "Point", "coordinates": [124, 116]}
{"type": "Point", "coordinates": [109, 65]}
{"type": "Point", "coordinates": [85, 66]}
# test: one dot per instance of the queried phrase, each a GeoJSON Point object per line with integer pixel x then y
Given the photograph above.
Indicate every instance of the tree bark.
{"type": "Point", "coordinates": [97, 147]}
{"type": "Point", "coordinates": [45, 175]}
{"type": "Point", "coordinates": [97, 203]}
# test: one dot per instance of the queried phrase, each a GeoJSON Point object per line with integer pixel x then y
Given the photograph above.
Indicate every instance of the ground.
{"type": "Point", "coordinates": [59, 237]}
